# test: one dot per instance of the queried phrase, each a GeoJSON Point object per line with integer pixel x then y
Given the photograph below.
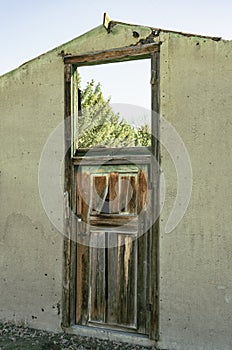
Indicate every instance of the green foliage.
{"type": "Point", "coordinates": [98, 125]}
{"type": "Point", "coordinates": [144, 135]}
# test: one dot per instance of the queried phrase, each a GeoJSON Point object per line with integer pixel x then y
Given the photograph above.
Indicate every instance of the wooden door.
{"type": "Point", "coordinates": [113, 208]}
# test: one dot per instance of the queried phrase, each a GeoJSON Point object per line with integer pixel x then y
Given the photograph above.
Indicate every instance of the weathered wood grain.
{"type": "Point", "coordinates": [82, 281]}
{"type": "Point", "coordinates": [113, 281]}
{"type": "Point", "coordinates": [130, 222]}
{"type": "Point", "coordinates": [155, 198]}
{"type": "Point", "coordinates": [133, 195]}
{"type": "Point", "coordinates": [115, 55]}
{"type": "Point", "coordinates": [122, 289]}
{"type": "Point", "coordinates": [114, 193]}
{"type": "Point", "coordinates": [97, 287]}
{"type": "Point", "coordinates": [142, 191]}
{"type": "Point", "coordinates": [99, 192]}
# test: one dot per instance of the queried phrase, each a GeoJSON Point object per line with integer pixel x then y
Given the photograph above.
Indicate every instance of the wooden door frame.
{"type": "Point", "coordinates": [151, 51]}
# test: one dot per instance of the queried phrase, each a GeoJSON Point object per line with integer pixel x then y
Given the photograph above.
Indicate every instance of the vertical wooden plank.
{"type": "Point", "coordinates": [82, 284]}
{"type": "Point", "coordinates": [113, 284]}
{"type": "Point", "coordinates": [144, 254]}
{"type": "Point", "coordinates": [132, 205]}
{"type": "Point", "coordinates": [84, 195]}
{"type": "Point", "coordinates": [123, 194]}
{"type": "Point", "coordinates": [127, 196]}
{"type": "Point", "coordinates": [127, 255]}
{"type": "Point", "coordinates": [122, 264]}
{"type": "Point", "coordinates": [73, 236]}
{"type": "Point", "coordinates": [83, 206]}
{"type": "Point", "coordinates": [155, 198]}
{"type": "Point", "coordinates": [114, 193]}
{"type": "Point", "coordinates": [83, 267]}
{"type": "Point", "coordinates": [78, 192]}
{"type": "Point", "coordinates": [99, 192]}
{"type": "Point", "coordinates": [75, 103]}
{"type": "Point", "coordinates": [142, 191]}
{"type": "Point", "coordinates": [97, 286]}
{"type": "Point", "coordinates": [142, 276]}
{"type": "Point", "coordinates": [155, 104]}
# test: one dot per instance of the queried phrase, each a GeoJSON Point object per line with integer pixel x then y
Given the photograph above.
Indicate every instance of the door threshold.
{"type": "Point", "coordinates": [112, 335]}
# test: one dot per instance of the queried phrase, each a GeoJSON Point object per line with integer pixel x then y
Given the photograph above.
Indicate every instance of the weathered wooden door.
{"type": "Point", "coordinates": [113, 208]}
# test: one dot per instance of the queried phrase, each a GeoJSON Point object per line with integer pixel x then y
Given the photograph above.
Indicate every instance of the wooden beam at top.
{"type": "Point", "coordinates": [124, 53]}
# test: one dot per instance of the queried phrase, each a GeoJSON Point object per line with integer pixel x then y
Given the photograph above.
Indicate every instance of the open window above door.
{"type": "Point", "coordinates": [111, 106]}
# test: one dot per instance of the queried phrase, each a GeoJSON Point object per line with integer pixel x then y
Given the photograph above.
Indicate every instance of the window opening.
{"type": "Point", "coordinates": [113, 105]}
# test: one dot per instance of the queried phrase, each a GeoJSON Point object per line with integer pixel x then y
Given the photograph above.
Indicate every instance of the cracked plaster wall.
{"type": "Point", "coordinates": [196, 258]}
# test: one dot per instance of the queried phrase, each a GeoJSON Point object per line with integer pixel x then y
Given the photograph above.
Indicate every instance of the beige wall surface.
{"type": "Point", "coordinates": [196, 258]}
{"type": "Point", "coordinates": [30, 247]}
{"type": "Point", "coordinates": [31, 107]}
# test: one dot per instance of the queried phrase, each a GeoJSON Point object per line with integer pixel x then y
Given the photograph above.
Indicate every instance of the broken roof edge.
{"type": "Point", "coordinates": [60, 47]}
{"type": "Point", "coordinates": [215, 38]}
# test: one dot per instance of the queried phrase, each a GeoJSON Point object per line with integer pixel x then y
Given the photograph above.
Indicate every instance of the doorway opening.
{"type": "Point", "coordinates": [114, 197]}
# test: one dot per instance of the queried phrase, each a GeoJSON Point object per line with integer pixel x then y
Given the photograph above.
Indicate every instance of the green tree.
{"type": "Point", "coordinates": [98, 125]}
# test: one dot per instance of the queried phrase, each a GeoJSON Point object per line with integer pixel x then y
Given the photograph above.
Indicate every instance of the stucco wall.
{"type": "Point", "coordinates": [30, 247]}
{"type": "Point", "coordinates": [196, 258]}
{"type": "Point", "coordinates": [32, 105]}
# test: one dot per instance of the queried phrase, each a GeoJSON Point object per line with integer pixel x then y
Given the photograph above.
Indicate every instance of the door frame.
{"type": "Point", "coordinates": [151, 51]}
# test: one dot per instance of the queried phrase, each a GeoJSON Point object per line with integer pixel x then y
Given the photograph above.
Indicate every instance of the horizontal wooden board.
{"type": "Point", "coordinates": [125, 53]}
{"type": "Point", "coordinates": [104, 221]}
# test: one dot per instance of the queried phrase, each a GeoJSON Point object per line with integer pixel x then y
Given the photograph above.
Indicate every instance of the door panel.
{"type": "Point", "coordinates": [112, 267]}
{"type": "Point", "coordinates": [122, 270]}
{"type": "Point", "coordinates": [97, 288]}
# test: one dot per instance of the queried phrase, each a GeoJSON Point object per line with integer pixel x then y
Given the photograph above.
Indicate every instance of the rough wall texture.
{"type": "Point", "coordinates": [30, 248]}
{"type": "Point", "coordinates": [196, 258]}
{"type": "Point", "coordinates": [32, 105]}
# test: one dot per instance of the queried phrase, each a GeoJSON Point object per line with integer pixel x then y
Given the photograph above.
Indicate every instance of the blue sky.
{"type": "Point", "coordinates": [29, 28]}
